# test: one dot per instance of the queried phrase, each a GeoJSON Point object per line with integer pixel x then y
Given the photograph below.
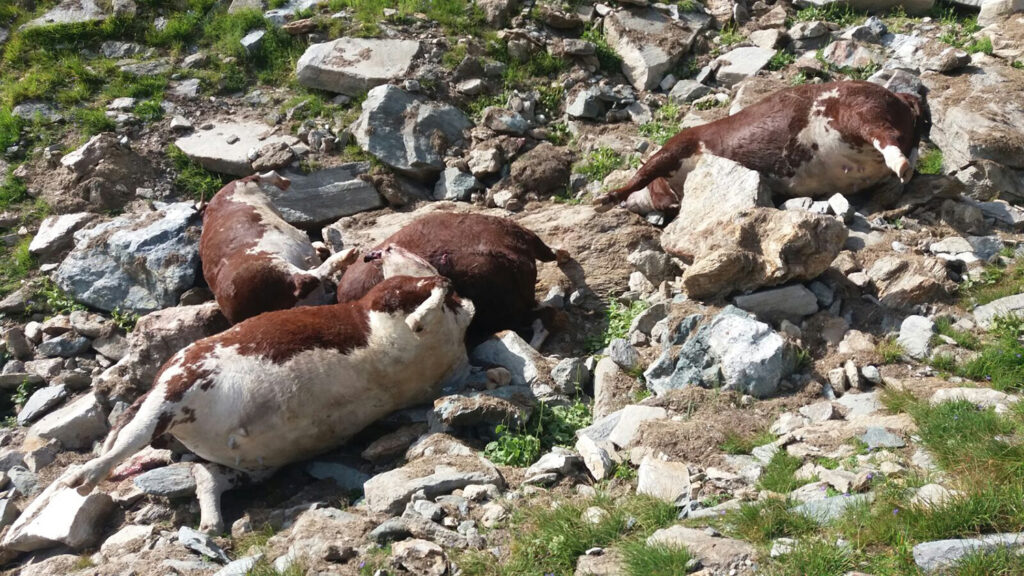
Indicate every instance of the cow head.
{"type": "Point", "coordinates": [397, 261]}
{"type": "Point", "coordinates": [429, 304]}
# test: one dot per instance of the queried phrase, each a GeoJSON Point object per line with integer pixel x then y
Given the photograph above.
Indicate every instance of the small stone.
{"type": "Point", "coordinates": [878, 437]}
{"type": "Point", "coordinates": [174, 481]}
{"type": "Point", "coordinates": [915, 336]}
{"type": "Point", "coordinates": [201, 544]}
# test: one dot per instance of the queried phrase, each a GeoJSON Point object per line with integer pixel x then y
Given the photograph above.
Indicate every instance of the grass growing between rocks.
{"type": "Point", "coordinates": [547, 538]}
{"type": "Point", "coordinates": [889, 350]}
{"type": "Point", "coordinates": [643, 559]}
{"type": "Point", "coordinates": [964, 339]}
{"type": "Point", "coordinates": [813, 557]}
{"type": "Point", "coordinates": [998, 562]}
{"type": "Point", "coordinates": [664, 125]}
{"type": "Point", "coordinates": [779, 474]}
{"type": "Point", "coordinates": [836, 13]}
{"type": "Point", "coordinates": [193, 180]}
{"type": "Point", "coordinates": [16, 266]}
{"type": "Point", "coordinates": [599, 163]}
{"type": "Point", "coordinates": [930, 162]}
{"type": "Point", "coordinates": [618, 317]}
{"type": "Point", "coordinates": [547, 427]}
{"type": "Point", "coordinates": [738, 443]}
{"type": "Point", "coordinates": [995, 283]}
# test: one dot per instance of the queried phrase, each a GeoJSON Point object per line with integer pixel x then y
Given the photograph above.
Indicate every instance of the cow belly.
{"type": "Point", "coordinates": [261, 415]}
{"type": "Point", "coordinates": [835, 167]}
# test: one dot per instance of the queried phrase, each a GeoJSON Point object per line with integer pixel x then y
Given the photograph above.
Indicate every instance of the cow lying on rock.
{"type": "Point", "coordinates": [253, 260]}
{"type": "Point", "coordinates": [290, 384]}
{"type": "Point", "coordinates": [490, 260]}
{"type": "Point", "coordinates": [811, 140]}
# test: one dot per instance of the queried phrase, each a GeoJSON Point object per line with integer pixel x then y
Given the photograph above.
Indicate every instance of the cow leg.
{"type": "Point", "coordinates": [132, 437]}
{"type": "Point", "coordinates": [335, 264]}
{"type": "Point", "coordinates": [212, 480]}
{"type": "Point", "coordinates": [886, 141]}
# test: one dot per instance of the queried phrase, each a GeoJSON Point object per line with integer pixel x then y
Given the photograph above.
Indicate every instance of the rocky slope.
{"type": "Point", "coordinates": [846, 403]}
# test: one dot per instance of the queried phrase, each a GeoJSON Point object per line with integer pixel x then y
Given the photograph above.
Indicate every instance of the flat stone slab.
{"type": "Point", "coordinates": [741, 63]}
{"type": "Point", "coordinates": [787, 302]}
{"type": "Point", "coordinates": [878, 437]}
{"type": "Point", "coordinates": [174, 481]}
{"type": "Point", "coordinates": [648, 42]}
{"type": "Point", "coordinates": [59, 516]}
{"type": "Point", "coordinates": [984, 397]}
{"type": "Point", "coordinates": [434, 475]}
{"type": "Point", "coordinates": [324, 196]}
{"type": "Point", "coordinates": [712, 551]}
{"type": "Point", "coordinates": [352, 66]}
{"type": "Point", "coordinates": [986, 314]}
{"type": "Point", "coordinates": [225, 147]}
{"type": "Point", "coordinates": [825, 510]}
{"type": "Point", "coordinates": [41, 402]}
{"type": "Point", "coordinates": [70, 12]}
{"type": "Point", "coordinates": [933, 556]}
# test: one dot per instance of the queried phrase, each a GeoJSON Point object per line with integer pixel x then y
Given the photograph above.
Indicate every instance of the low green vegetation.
{"type": "Point", "coordinates": [814, 556]}
{"type": "Point", "coordinates": [265, 567]}
{"type": "Point", "coordinates": [963, 338]}
{"type": "Point", "coordinates": [16, 266]}
{"type": "Point", "coordinates": [192, 179]}
{"type": "Point", "coordinates": [51, 299]}
{"type": "Point", "coordinates": [599, 163]}
{"type": "Point", "coordinates": [547, 427]}
{"type": "Point", "coordinates": [607, 58]}
{"type": "Point", "coordinates": [780, 473]}
{"type": "Point", "coordinates": [124, 320]}
{"type": "Point", "coordinates": [731, 35]}
{"type": "Point", "coordinates": [781, 59]}
{"type": "Point", "coordinates": [765, 520]}
{"type": "Point", "coordinates": [618, 317]}
{"type": "Point", "coordinates": [664, 125]}
{"type": "Point", "coordinates": [836, 13]}
{"type": "Point", "coordinates": [738, 443]}
{"type": "Point", "coordinates": [930, 162]}
{"type": "Point", "coordinates": [994, 282]}
{"type": "Point", "coordinates": [889, 350]}
{"type": "Point", "coordinates": [547, 539]}
{"type": "Point", "coordinates": [1001, 360]}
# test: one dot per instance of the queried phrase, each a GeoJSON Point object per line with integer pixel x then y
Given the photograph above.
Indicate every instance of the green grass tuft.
{"type": "Point", "coordinates": [837, 13]}
{"type": "Point", "coordinates": [889, 350]}
{"type": "Point", "coordinates": [642, 559]}
{"type": "Point", "coordinates": [609, 60]}
{"type": "Point", "coordinates": [194, 180]}
{"type": "Point", "coordinates": [781, 59]}
{"type": "Point", "coordinates": [763, 521]}
{"type": "Point", "coordinates": [930, 162]}
{"type": "Point", "coordinates": [813, 556]}
{"type": "Point", "coordinates": [738, 443]}
{"type": "Point", "coordinates": [778, 475]}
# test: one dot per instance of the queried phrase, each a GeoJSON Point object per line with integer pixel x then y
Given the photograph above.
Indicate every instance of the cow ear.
{"type": "Point", "coordinates": [415, 320]}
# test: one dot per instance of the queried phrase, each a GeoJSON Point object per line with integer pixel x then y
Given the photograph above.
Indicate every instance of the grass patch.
{"type": "Point", "coordinates": [664, 125]}
{"type": "Point", "coordinates": [983, 45]}
{"type": "Point", "coordinates": [731, 35]}
{"type": "Point", "coordinates": [193, 180]}
{"type": "Point", "coordinates": [837, 13]}
{"type": "Point", "coordinates": [779, 474]}
{"type": "Point", "coordinates": [547, 539]}
{"type": "Point", "coordinates": [16, 266]}
{"type": "Point", "coordinates": [813, 556]}
{"type": "Point", "coordinates": [781, 59]}
{"type": "Point", "coordinates": [599, 163]}
{"type": "Point", "coordinates": [1001, 362]}
{"type": "Point", "coordinates": [149, 110]}
{"type": "Point", "coordinates": [964, 339]}
{"type": "Point", "coordinates": [930, 162]}
{"type": "Point", "coordinates": [1001, 561]}
{"type": "Point", "coordinates": [763, 521]}
{"type": "Point", "coordinates": [92, 121]}
{"type": "Point", "coordinates": [642, 559]}
{"type": "Point", "coordinates": [609, 61]}
{"type": "Point", "coordinates": [10, 129]}
{"type": "Point", "coordinates": [994, 283]}
{"type": "Point", "coordinates": [738, 443]}
{"type": "Point", "coordinates": [256, 539]}
{"type": "Point", "coordinates": [618, 317]}
{"type": "Point", "coordinates": [889, 350]}
{"type": "Point", "coordinates": [264, 567]}
{"type": "Point", "coordinates": [12, 191]}
{"type": "Point", "coordinates": [547, 427]}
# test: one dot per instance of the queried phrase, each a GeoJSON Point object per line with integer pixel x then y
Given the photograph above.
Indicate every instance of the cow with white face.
{"type": "Point", "coordinates": [811, 140]}
{"type": "Point", "coordinates": [290, 384]}
{"type": "Point", "coordinates": [253, 260]}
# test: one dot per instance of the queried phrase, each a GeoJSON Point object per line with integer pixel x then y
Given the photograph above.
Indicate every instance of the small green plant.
{"type": "Point", "coordinates": [254, 540]}
{"type": "Point", "coordinates": [55, 300]}
{"type": "Point", "coordinates": [983, 45]}
{"type": "Point", "coordinates": [25, 391]}
{"type": "Point", "coordinates": [149, 110]}
{"type": "Point", "coordinates": [16, 266]}
{"type": "Point", "coordinates": [943, 363]}
{"type": "Point", "coordinates": [707, 103]}
{"type": "Point", "coordinates": [779, 474]}
{"type": "Point", "coordinates": [737, 443]}
{"type": "Point", "coordinates": [599, 164]}
{"type": "Point", "coordinates": [607, 58]}
{"type": "Point", "coordinates": [930, 162]}
{"type": "Point", "coordinates": [1018, 64]}
{"type": "Point", "coordinates": [837, 13]}
{"type": "Point", "coordinates": [548, 427]}
{"type": "Point", "coordinates": [643, 559]}
{"type": "Point", "coordinates": [558, 134]}
{"type": "Point", "coordinates": [944, 326]}
{"type": "Point", "coordinates": [730, 35]}
{"type": "Point", "coordinates": [763, 521]}
{"type": "Point", "coordinates": [1001, 359]}
{"type": "Point", "coordinates": [664, 125]}
{"type": "Point", "coordinates": [124, 320]}
{"type": "Point", "coordinates": [193, 179]}
{"type": "Point", "coordinates": [889, 350]}
{"type": "Point", "coordinates": [618, 317]}
{"type": "Point", "coordinates": [804, 360]}
{"type": "Point", "coordinates": [375, 559]}
{"type": "Point", "coordinates": [92, 121]}
{"type": "Point", "coordinates": [83, 562]}
{"type": "Point", "coordinates": [642, 394]}
{"type": "Point", "coordinates": [829, 463]}
{"type": "Point", "coordinates": [512, 448]}
{"type": "Point", "coordinates": [799, 79]}
{"type": "Point", "coordinates": [10, 129]}
{"type": "Point", "coordinates": [813, 556]}
{"type": "Point", "coordinates": [781, 59]}
{"type": "Point", "coordinates": [623, 471]}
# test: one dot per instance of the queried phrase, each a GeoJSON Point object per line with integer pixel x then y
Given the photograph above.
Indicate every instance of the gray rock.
{"type": "Point", "coordinates": [916, 335]}
{"type": "Point", "coordinates": [240, 567]}
{"type": "Point", "coordinates": [59, 516]}
{"type": "Point", "coordinates": [627, 424]}
{"type": "Point", "coordinates": [586, 103]}
{"type": "Point", "coordinates": [64, 346]}
{"type": "Point", "coordinates": [408, 134]}
{"type": "Point", "coordinates": [202, 544]}
{"type": "Point", "coordinates": [668, 481]}
{"type": "Point", "coordinates": [644, 322]}
{"type": "Point", "coordinates": [504, 121]}
{"type": "Point", "coordinates": [252, 41]}
{"type": "Point", "coordinates": [8, 512]}
{"type": "Point", "coordinates": [76, 425]}
{"type": "Point", "coordinates": [649, 44]}
{"type": "Point", "coordinates": [225, 146]}
{"type": "Point", "coordinates": [790, 302]}
{"type": "Point", "coordinates": [511, 405]}
{"type": "Point", "coordinates": [623, 354]}
{"type": "Point", "coordinates": [346, 477]}
{"type": "Point", "coordinates": [70, 12]}
{"type": "Point", "coordinates": [716, 554]}
{"type": "Point", "coordinates": [703, 198]}
{"type": "Point", "coordinates": [56, 235]}
{"type": "Point", "coordinates": [17, 344]}
{"type": "Point", "coordinates": [596, 456]}
{"type": "Point", "coordinates": [41, 402]}
{"type": "Point", "coordinates": [878, 437]}
{"type": "Point", "coordinates": [570, 375]}
{"type": "Point", "coordinates": [25, 481]}
{"type": "Point", "coordinates": [825, 510]}
{"type": "Point", "coordinates": [33, 110]}
{"type": "Point", "coordinates": [353, 66]}
{"type": "Point", "coordinates": [454, 184]}
{"type": "Point", "coordinates": [986, 314]}
{"type": "Point", "coordinates": [157, 67]}
{"type": "Point", "coordinates": [324, 196]}
{"type": "Point", "coordinates": [686, 91]}
{"type": "Point", "coordinates": [897, 80]}
{"type": "Point", "coordinates": [938, 555]}
{"type": "Point", "coordinates": [175, 481]}
{"type": "Point", "coordinates": [512, 353]}
{"type": "Point", "coordinates": [741, 63]}
{"type": "Point", "coordinates": [136, 263]}
{"type": "Point", "coordinates": [434, 475]}
{"type": "Point", "coordinates": [558, 461]}
{"type": "Point", "coordinates": [995, 11]}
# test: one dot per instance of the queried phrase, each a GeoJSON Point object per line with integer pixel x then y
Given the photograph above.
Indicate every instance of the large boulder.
{"type": "Point", "coordinates": [543, 170]}
{"type": "Point", "coordinates": [157, 337]}
{"type": "Point", "coordinates": [354, 65]}
{"type": "Point", "coordinates": [754, 248]}
{"type": "Point", "coordinates": [102, 175]}
{"type": "Point", "coordinates": [224, 146]}
{"type": "Point", "coordinates": [407, 133]}
{"type": "Point", "coordinates": [703, 197]}
{"type": "Point", "coordinates": [136, 263]}
{"type": "Point", "coordinates": [433, 475]}
{"type": "Point", "coordinates": [648, 42]}
{"type": "Point", "coordinates": [325, 195]}
{"type": "Point", "coordinates": [60, 516]}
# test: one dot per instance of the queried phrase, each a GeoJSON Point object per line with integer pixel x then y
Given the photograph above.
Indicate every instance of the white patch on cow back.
{"type": "Point", "coordinates": [279, 238]}
{"type": "Point", "coordinates": [259, 414]}
{"type": "Point", "coordinates": [835, 166]}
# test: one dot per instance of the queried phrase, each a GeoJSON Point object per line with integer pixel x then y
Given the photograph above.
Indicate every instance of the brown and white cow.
{"type": "Point", "coordinates": [490, 260]}
{"type": "Point", "coordinates": [253, 260]}
{"type": "Point", "coordinates": [811, 140]}
{"type": "Point", "coordinates": [290, 384]}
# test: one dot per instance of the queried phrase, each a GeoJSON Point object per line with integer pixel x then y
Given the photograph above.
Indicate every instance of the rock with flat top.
{"type": "Point", "coordinates": [225, 146]}
{"type": "Point", "coordinates": [352, 66]}
{"type": "Point", "coordinates": [59, 516]}
{"type": "Point", "coordinates": [648, 42]}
